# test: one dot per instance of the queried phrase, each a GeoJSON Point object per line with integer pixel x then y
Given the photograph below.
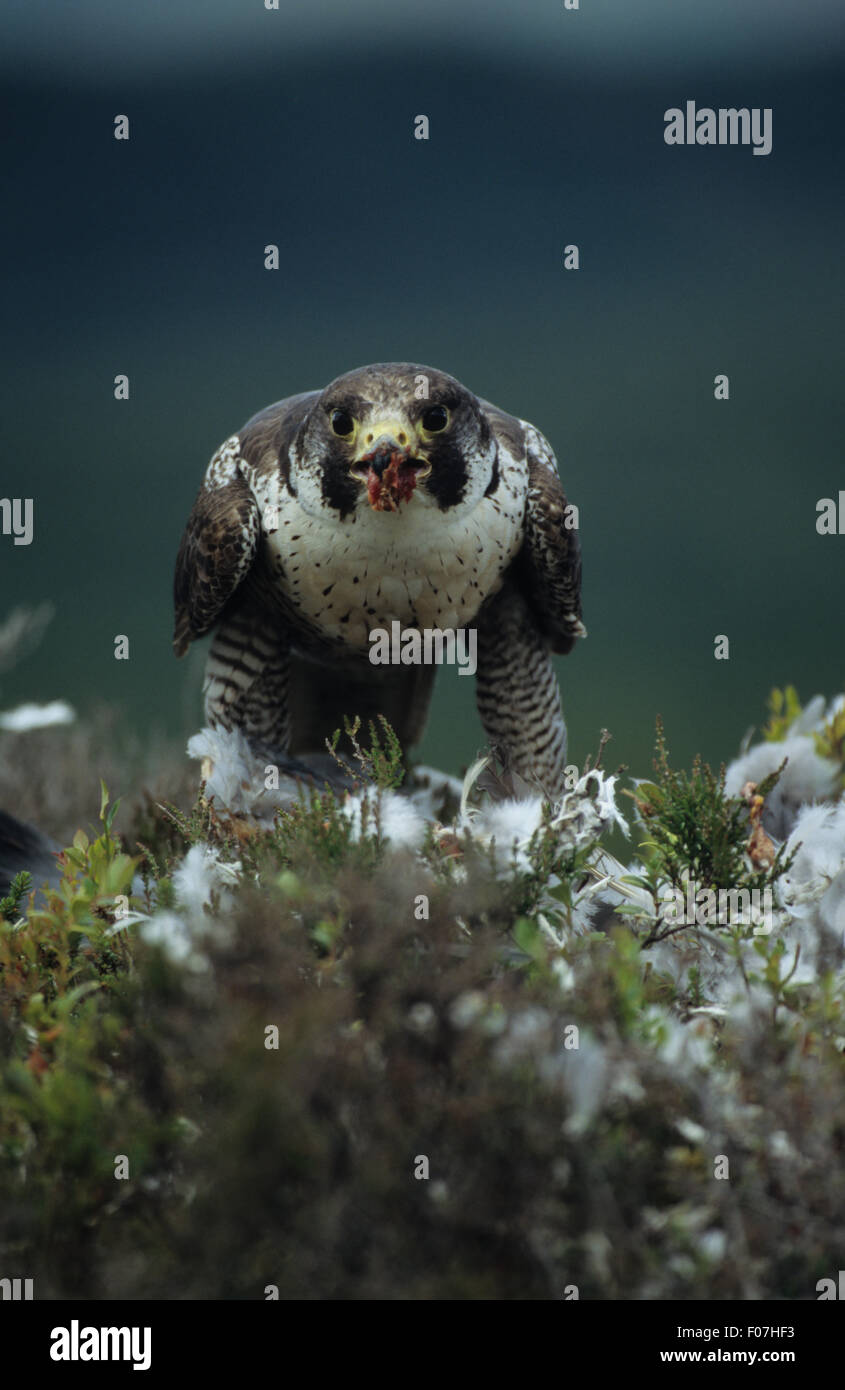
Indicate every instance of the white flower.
{"type": "Point", "coordinates": [589, 808]}
{"type": "Point", "coordinates": [577, 819]}
{"type": "Point", "coordinates": [175, 937]}
{"type": "Point", "coordinates": [832, 905]}
{"type": "Point", "coordinates": [506, 827]}
{"type": "Point", "coordinates": [586, 1072]}
{"type": "Point", "coordinates": [806, 778]}
{"type": "Point", "coordinates": [820, 833]}
{"type": "Point", "coordinates": [682, 1048]}
{"type": "Point", "coordinates": [468, 1006]}
{"type": "Point", "coordinates": [564, 973]}
{"type": "Point", "coordinates": [182, 934]}
{"type": "Point", "coordinates": [692, 1131]}
{"type": "Point", "coordinates": [25, 717]}
{"type": "Point", "coordinates": [713, 1245]}
{"type": "Point", "coordinates": [235, 778]}
{"type": "Point", "coordinates": [401, 823]}
{"type": "Point", "coordinates": [200, 875]}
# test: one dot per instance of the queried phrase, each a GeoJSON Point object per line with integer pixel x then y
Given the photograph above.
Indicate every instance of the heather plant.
{"type": "Point", "coordinates": [696, 833]}
{"type": "Point", "coordinates": [302, 1057]}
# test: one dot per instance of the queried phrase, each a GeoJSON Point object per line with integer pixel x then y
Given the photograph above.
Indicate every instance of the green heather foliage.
{"type": "Point", "coordinates": [381, 763]}
{"type": "Point", "coordinates": [451, 1037]}
{"type": "Point", "coordinates": [830, 742]}
{"type": "Point", "coordinates": [10, 906]}
{"type": "Point", "coordinates": [784, 709]}
{"type": "Point", "coordinates": [696, 832]}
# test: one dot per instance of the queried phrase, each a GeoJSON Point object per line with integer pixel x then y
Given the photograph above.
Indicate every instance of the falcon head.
{"type": "Point", "coordinates": [392, 437]}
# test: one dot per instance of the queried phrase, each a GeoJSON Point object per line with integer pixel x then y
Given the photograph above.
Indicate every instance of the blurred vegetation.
{"type": "Point", "coordinates": [569, 1095]}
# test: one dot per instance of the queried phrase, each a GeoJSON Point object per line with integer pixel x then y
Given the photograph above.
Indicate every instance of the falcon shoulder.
{"type": "Point", "coordinates": [222, 534]}
{"type": "Point", "coordinates": [547, 570]}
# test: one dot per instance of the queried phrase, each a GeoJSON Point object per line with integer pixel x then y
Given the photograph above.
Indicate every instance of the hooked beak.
{"type": "Point", "coordinates": [387, 465]}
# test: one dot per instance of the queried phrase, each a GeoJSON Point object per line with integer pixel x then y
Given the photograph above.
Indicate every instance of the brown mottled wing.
{"type": "Point", "coordinates": [223, 530]}
{"type": "Point", "coordinates": [218, 547]}
{"type": "Point", "coordinates": [548, 568]}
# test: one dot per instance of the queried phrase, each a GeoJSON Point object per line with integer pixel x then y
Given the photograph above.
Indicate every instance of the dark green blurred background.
{"type": "Point", "coordinates": [249, 127]}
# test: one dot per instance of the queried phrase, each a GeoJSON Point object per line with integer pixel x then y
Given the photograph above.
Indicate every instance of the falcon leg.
{"type": "Point", "coordinates": [518, 695]}
{"type": "Point", "coordinates": [246, 681]}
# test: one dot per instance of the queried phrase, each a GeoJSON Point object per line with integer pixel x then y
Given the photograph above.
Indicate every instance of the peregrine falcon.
{"type": "Point", "coordinates": [394, 495]}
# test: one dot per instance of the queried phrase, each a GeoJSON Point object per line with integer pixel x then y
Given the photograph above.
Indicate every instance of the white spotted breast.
{"type": "Point", "coordinates": [419, 566]}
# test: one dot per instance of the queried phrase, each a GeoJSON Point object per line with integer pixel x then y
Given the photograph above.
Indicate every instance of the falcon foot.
{"type": "Point", "coordinates": [316, 772]}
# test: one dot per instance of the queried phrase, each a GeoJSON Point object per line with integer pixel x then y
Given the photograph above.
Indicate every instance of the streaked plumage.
{"type": "Point", "coordinates": [436, 510]}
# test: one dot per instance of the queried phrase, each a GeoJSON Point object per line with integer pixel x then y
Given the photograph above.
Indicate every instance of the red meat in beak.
{"type": "Point", "coordinates": [391, 475]}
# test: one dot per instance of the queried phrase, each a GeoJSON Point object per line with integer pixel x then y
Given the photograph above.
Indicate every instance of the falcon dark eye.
{"type": "Point", "coordinates": [435, 419]}
{"type": "Point", "coordinates": [342, 422]}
